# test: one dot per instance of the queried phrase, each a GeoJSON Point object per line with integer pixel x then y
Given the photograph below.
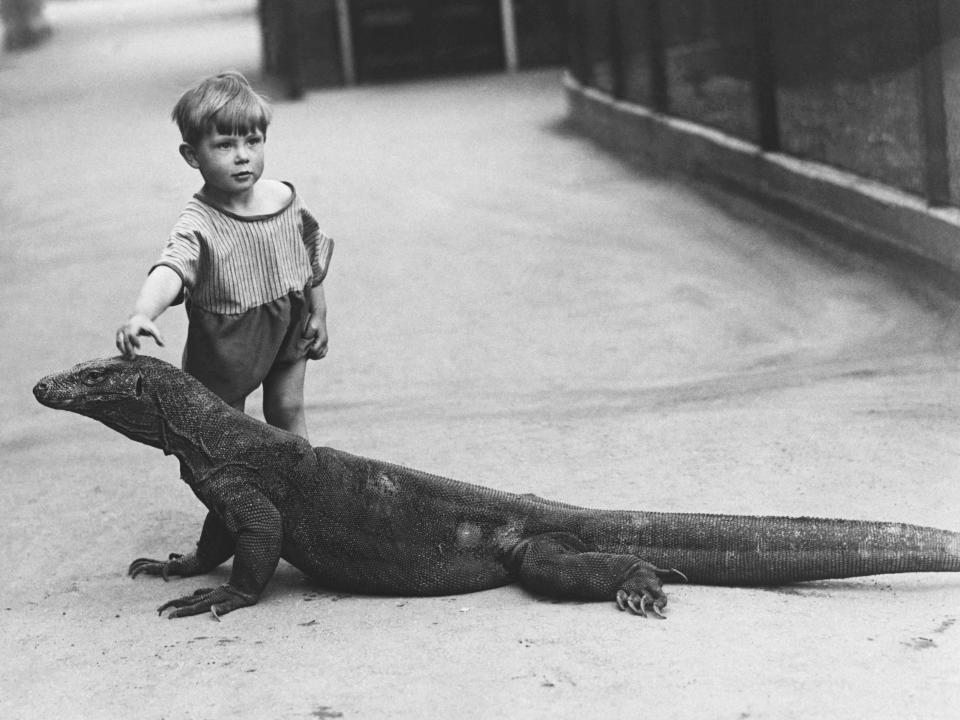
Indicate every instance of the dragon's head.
{"type": "Point", "coordinates": [121, 394]}
{"type": "Point", "coordinates": [155, 403]}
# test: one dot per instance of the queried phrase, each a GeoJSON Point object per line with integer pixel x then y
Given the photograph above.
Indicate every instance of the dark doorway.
{"type": "Point", "coordinates": [405, 38]}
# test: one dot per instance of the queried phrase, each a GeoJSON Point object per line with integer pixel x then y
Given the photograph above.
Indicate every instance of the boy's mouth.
{"type": "Point", "coordinates": [242, 175]}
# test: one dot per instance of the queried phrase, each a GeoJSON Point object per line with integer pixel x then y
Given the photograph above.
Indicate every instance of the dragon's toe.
{"type": "Point", "coordinates": [641, 591]}
{"type": "Point", "coordinates": [175, 564]}
{"type": "Point", "coordinates": [218, 601]}
{"type": "Point", "coordinates": [150, 566]}
{"type": "Point", "coordinates": [638, 603]}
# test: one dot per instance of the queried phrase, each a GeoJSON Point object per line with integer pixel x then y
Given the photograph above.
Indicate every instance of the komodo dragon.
{"type": "Point", "coordinates": [367, 526]}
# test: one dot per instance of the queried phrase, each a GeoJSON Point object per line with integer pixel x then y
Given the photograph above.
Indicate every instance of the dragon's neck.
{"type": "Point", "coordinates": [206, 435]}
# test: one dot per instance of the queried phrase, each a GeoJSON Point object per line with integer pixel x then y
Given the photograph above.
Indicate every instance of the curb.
{"type": "Point", "coordinates": [848, 210]}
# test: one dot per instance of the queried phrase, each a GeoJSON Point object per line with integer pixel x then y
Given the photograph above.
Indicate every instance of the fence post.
{"type": "Point", "coordinates": [345, 35]}
{"type": "Point", "coordinates": [656, 57]}
{"type": "Point", "coordinates": [23, 23]}
{"type": "Point", "coordinates": [617, 71]}
{"type": "Point", "coordinates": [933, 113]}
{"type": "Point", "coordinates": [292, 50]}
{"type": "Point", "coordinates": [765, 77]}
{"type": "Point", "coordinates": [509, 27]}
{"type": "Point", "coordinates": [580, 63]}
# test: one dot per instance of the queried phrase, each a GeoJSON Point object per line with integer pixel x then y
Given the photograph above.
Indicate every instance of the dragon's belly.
{"type": "Point", "coordinates": [402, 568]}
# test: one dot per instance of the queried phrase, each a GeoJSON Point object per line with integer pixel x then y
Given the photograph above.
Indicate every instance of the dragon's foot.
{"type": "Point", "coordinates": [641, 590]}
{"type": "Point", "coordinates": [219, 601]}
{"type": "Point", "coordinates": [177, 564]}
{"type": "Point", "coordinates": [637, 603]}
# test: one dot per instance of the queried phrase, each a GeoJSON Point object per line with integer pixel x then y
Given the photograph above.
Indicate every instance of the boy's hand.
{"type": "Point", "coordinates": [316, 331]}
{"type": "Point", "coordinates": [128, 336]}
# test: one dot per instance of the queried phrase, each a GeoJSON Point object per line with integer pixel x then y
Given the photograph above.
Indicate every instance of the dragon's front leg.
{"type": "Point", "coordinates": [215, 547]}
{"type": "Point", "coordinates": [255, 524]}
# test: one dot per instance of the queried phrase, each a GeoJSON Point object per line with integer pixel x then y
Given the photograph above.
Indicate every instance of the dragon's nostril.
{"type": "Point", "coordinates": [40, 389]}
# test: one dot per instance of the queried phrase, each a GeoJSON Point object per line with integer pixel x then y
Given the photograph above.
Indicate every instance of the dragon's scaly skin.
{"type": "Point", "coordinates": [367, 526]}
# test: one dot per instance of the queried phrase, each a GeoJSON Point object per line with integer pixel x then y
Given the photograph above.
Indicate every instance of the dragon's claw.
{"type": "Point", "coordinates": [218, 601]}
{"type": "Point", "coordinates": [638, 603]}
{"type": "Point", "coordinates": [670, 572]}
{"type": "Point", "coordinates": [148, 566]}
{"type": "Point", "coordinates": [637, 607]}
{"type": "Point", "coordinates": [175, 564]}
{"type": "Point", "coordinates": [184, 601]}
{"type": "Point", "coordinates": [641, 591]}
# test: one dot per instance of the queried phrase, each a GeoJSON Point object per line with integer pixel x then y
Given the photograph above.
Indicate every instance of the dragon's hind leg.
{"type": "Point", "coordinates": [559, 565]}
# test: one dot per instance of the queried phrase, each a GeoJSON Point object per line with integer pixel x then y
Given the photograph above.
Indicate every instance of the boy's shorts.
{"type": "Point", "coordinates": [233, 354]}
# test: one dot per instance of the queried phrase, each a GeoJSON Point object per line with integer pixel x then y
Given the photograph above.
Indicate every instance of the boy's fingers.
{"type": "Point", "coordinates": [125, 346]}
{"type": "Point", "coordinates": [318, 349]}
{"type": "Point", "coordinates": [152, 332]}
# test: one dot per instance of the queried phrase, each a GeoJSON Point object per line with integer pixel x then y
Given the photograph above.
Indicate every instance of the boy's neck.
{"type": "Point", "coordinates": [242, 203]}
{"type": "Point", "coordinates": [266, 197]}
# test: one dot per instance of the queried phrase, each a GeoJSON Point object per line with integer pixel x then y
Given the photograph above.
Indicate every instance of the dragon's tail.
{"type": "Point", "coordinates": [748, 550]}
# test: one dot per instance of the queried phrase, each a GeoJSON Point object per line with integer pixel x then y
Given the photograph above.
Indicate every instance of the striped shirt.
{"type": "Point", "coordinates": [230, 264]}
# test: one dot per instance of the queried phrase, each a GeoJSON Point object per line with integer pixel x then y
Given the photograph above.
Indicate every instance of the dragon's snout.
{"type": "Point", "coordinates": [44, 392]}
{"type": "Point", "coordinates": [41, 390]}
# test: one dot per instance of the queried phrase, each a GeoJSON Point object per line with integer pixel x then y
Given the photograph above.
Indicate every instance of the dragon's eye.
{"type": "Point", "coordinates": [93, 377]}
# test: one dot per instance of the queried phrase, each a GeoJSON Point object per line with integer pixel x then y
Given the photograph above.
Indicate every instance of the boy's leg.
{"type": "Point", "coordinates": [283, 397]}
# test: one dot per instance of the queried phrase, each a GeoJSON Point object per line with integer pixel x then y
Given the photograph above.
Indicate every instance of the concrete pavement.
{"type": "Point", "coordinates": [507, 307]}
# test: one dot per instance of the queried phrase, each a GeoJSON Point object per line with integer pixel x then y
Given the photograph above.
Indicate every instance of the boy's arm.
{"type": "Point", "coordinates": [319, 248]}
{"type": "Point", "coordinates": [316, 327]}
{"type": "Point", "coordinates": [160, 289]}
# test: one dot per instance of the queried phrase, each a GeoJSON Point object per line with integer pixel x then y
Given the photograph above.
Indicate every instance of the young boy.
{"type": "Point", "coordinates": [246, 255]}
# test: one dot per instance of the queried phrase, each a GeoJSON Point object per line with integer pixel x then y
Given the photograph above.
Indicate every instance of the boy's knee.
{"type": "Point", "coordinates": [285, 412]}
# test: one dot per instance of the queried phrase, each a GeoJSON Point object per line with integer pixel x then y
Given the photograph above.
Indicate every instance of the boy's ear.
{"type": "Point", "coordinates": [189, 154]}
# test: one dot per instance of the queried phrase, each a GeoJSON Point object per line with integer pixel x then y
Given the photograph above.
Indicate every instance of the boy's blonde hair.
{"type": "Point", "coordinates": [225, 103]}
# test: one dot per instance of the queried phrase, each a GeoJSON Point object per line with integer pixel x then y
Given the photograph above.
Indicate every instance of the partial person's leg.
{"type": "Point", "coordinates": [283, 397]}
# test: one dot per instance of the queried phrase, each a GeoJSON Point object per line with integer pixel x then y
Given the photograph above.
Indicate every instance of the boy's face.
{"type": "Point", "coordinates": [230, 164]}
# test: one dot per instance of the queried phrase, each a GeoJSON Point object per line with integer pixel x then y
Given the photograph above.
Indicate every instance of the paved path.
{"type": "Point", "coordinates": [508, 306]}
